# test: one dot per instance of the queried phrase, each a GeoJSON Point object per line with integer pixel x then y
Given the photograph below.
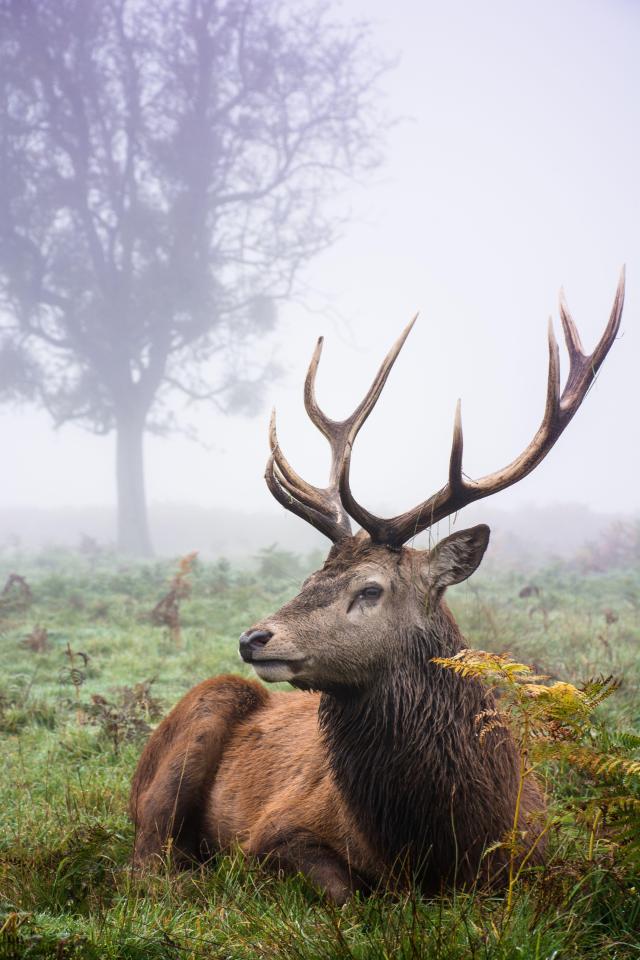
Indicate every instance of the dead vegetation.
{"type": "Point", "coordinates": [76, 675]}
{"type": "Point", "coordinates": [16, 594]}
{"type": "Point", "coordinates": [128, 715]}
{"type": "Point", "coordinates": [37, 641]}
{"type": "Point", "coordinates": [166, 612]}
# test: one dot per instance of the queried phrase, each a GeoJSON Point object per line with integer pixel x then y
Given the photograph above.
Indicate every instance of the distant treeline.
{"type": "Point", "coordinates": [522, 537]}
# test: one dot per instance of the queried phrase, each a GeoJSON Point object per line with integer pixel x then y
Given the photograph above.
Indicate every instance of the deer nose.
{"type": "Point", "coordinates": [251, 641]}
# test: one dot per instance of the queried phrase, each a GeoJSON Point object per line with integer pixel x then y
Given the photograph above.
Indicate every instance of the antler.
{"type": "Point", "coordinates": [322, 506]}
{"type": "Point", "coordinates": [559, 410]}
{"type": "Point", "coordinates": [329, 508]}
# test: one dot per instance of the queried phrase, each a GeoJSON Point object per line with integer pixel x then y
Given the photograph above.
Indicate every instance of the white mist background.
{"type": "Point", "coordinates": [516, 169]}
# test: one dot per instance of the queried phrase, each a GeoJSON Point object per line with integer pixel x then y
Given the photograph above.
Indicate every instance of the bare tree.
{"type": "Point", "coordinates": [165, 172]}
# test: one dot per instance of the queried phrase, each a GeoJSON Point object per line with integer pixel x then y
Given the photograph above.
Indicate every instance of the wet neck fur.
{"type": "Point", "coordinates": [408, 761]}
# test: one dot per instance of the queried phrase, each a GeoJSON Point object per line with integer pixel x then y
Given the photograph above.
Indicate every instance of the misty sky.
{"type": "Point", "coordinates": [515, 170]}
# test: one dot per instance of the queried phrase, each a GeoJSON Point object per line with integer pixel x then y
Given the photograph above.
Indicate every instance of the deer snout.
{"type": "Point", "coordinates": [251, 641]}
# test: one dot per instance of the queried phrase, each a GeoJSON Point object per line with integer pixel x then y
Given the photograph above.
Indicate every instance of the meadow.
{"type": "Point", "coordinates": [87, 669]}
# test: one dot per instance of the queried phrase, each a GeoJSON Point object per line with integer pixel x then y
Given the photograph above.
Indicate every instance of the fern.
{"type": "Point", "coordinates": [555, 723]}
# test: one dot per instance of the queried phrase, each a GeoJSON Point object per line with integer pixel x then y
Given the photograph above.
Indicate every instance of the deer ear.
{"type": "Point", "coordinates": [455, 558]}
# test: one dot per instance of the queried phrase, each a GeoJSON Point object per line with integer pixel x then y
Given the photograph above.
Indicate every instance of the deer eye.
{"type": "Point", "coordinates": [370, 593]}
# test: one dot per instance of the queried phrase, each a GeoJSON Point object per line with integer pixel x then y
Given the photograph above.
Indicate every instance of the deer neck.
{"type": "Point", "coordinates": [407, 759]}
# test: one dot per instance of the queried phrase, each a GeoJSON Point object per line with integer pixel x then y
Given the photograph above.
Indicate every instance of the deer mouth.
{"type": "Point", "coordinates": [276, 671]}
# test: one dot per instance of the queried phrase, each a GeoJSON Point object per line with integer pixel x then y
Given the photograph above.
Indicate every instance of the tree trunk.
{"type": "Point", "coordinates": [133, 524]}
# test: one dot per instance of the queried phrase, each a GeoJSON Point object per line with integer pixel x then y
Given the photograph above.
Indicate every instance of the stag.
{"type": "Point", "coordinates": [372, 770]}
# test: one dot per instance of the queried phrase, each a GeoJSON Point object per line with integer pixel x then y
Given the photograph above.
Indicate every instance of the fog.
{"type": "Point", "coordinates": [514, 170]}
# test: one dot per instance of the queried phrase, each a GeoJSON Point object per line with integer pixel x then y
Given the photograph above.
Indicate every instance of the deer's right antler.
{"type": "Point", "coordinates": [329, 509]}
{"type": "Point", "coordinates": [322, 506]}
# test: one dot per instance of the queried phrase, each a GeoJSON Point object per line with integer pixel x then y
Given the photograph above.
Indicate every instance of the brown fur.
{"type": "Point", "coordinates": [168, 793]}
{"type": "Point", "coordinates": [380, 775]}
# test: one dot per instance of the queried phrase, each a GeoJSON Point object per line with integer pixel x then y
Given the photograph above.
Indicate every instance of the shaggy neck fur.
{"type": "Point", "coordinates": [407, 759]}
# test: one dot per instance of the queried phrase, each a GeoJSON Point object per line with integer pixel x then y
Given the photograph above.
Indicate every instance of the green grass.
{"type": "Point", "coordinates": [66, 884]}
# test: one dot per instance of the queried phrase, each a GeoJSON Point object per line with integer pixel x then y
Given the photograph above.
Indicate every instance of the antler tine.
{"type": "Point", "coordinates": [321, 420]}
{"type": "Point", "coordinates": [326, 524]}
{"type": "Point", "coordinates": [559, 410]}
{"type": "Point", "coordinates": [582, 369]}
{"type": "Point", "coordinates": [288, 478]}
{"type": "Point", "coordinates": [455, 460]}
{"type": "Point", "coordinates": [318, 506]}
{"type": "Point", "coordinates": [342, 433]}
{"type": "Point", "coordinates": [571, 335]}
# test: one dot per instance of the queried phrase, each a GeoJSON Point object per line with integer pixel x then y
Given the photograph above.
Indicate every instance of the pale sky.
{"type": "Point", "coordinates": [516, 171]}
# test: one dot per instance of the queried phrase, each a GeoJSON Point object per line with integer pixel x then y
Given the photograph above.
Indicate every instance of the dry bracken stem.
{"type": "Point", "coordinates": [79, 713]}
{"type": "Point", "coordinates": [532, 849]}
{"type": "Point", "coordinates": [513, 874]}
{"type": "Point", "coordinates": [592, 836]}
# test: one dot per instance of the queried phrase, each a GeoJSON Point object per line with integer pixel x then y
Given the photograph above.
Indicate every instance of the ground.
{"type": "Point", "coordinates": [76, 705]}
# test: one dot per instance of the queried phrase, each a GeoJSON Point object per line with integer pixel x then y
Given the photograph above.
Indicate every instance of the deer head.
{"type": "Point", "coordinates": [350, 617]}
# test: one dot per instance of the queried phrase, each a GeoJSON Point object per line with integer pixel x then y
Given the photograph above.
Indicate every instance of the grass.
{"type": "Point", "coordinates": [74, 710]}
